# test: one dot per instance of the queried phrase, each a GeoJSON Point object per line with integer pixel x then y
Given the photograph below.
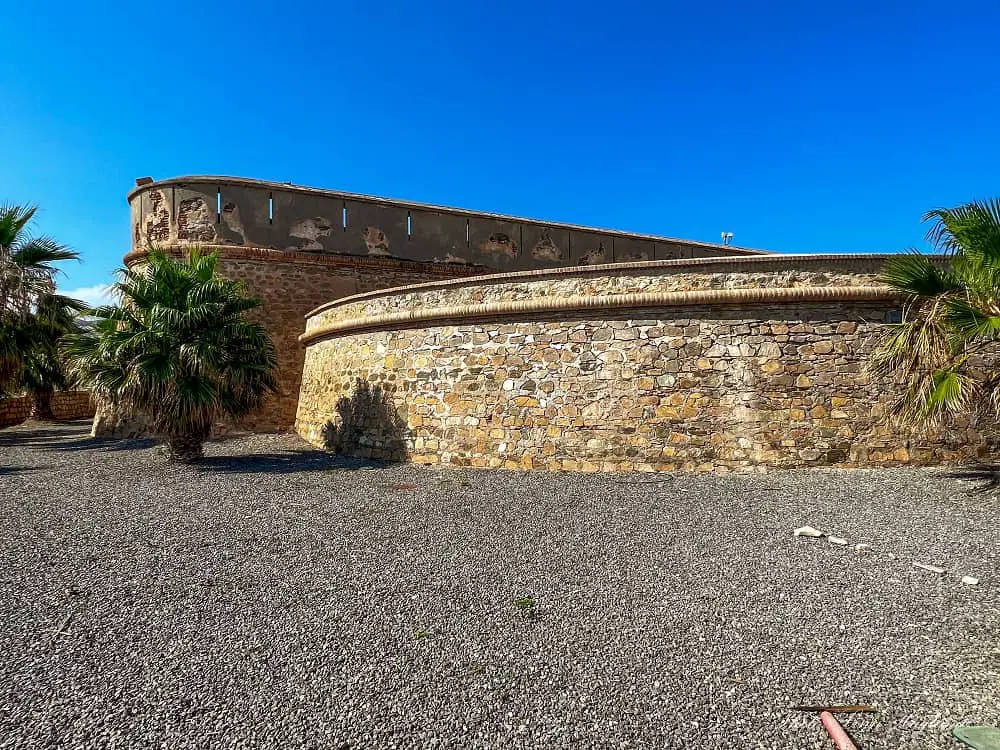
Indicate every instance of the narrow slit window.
{"type": "Point", "coordinates": [218, 205]}
{"type": "Point", "coordinates": [409, 225]}
{"type": "Point", "coordinates": [467, 234]}
{"type": "Point", "coordinates": [270, 208]}
{"type": "Point", "coordinates": [344, 217]}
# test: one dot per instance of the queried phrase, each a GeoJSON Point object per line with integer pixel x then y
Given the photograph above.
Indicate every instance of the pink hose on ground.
{"type": "Point", "coordinates": [836, 732]}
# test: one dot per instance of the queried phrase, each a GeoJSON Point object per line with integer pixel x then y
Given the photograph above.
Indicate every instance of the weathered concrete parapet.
{"type": "Point", "coordinates": [254, 213]}
{"type": "Point", "coordinates": [705, 365]}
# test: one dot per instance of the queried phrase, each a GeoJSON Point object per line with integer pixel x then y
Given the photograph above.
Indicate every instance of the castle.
{"type": "Point", "coordinates": [440, 335]}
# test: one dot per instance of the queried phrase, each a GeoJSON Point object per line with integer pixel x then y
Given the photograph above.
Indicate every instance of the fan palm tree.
{"type": "Point", "coordinates": [178, 350]}
{"type": "Point", "coordinates": [944, 351]}
{"type": "Point", "coordinates": [43, 368]}
{"type": "Point", "coordinates": [27, 277]}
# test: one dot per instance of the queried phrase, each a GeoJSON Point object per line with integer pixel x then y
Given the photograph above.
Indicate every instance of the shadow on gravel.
{"type": "Point", "coordinates": [4, 470]}
{"type": "Point", "coordinates": [289, 462]}
{"type": "Point", "coordinates": [22, 436]}
{"type": "Point", "coordinates": [66, 436]}
{"type": "Point", "coordinates": [97, 444]}
{"type": "Point", "coordinates": [987, 475]}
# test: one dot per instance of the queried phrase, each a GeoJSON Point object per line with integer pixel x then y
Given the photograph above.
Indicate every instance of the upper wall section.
{"type": "Point", "coordinates": [281, 216]}
{"type": "Point", "coordinates": [759, 280]}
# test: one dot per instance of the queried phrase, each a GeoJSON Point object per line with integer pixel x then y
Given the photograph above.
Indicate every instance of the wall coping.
{"type": "Point", "coordinates": [342, 195]}
{"type": "Point", "coordinates": [729, 264]}
{"type": "Point", "coordinates": [340, 260]}
{"type": "Point", "coordinates": [465, 313]}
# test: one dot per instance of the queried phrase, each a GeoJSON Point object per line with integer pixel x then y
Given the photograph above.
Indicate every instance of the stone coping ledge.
{"type": "Point", "coordinates": [721, 263]}
{"type": "Point", "coordinates": [466, 313]}
{"type": "Point", "coordinates": [344, 260]}
{"type": "Point", "coordinates": [341, 195]}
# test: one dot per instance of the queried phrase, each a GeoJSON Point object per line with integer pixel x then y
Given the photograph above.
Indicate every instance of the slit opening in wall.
{"type": "Point", "coordinates": [218, 205]}
{"type": "Point", "coordinates": [409, 225]}
{"type": "Point", "coordinates": [467, 234]}
{"type": "Point", "coordinates": [343, 217]}
{"type": "Point", "coordinates": [270, 208]}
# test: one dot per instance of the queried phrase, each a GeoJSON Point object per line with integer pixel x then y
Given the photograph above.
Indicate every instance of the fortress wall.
{"type": "Point", "coordinates": [255, 213]}
{"type": "Point", "coordinates": [577, 375]}
{"type": "Point", "coordinates": [297, 248]}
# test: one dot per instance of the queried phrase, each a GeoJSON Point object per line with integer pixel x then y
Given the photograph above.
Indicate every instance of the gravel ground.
{"type": "Point", "coordinates": [278, 597]}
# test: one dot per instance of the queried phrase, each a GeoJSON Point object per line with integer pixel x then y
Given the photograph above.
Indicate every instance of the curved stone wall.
{"type": "Point", "coordinates": [654, 366]}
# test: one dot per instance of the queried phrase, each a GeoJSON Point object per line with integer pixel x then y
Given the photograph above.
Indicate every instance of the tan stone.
{"type": "Point", "coordinates": [544, 394]}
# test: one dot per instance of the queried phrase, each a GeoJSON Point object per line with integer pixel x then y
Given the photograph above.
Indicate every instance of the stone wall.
{"type": "Point", "coordinates": [65, 405]}
{"type": "Point", "coordinates": [725, 378]}
{"type": "Point", "coordinates": [760, 272]}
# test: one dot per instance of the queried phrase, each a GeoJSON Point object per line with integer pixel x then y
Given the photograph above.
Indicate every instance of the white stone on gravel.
{"type": "Point", "coordinates": [838, 540]}
{"type": "Point", "coordinates": [929, 568]}
{"type": "Point", "coordinates": [807, 531]}
{"type": "Point", "coordinates": [970, 580]}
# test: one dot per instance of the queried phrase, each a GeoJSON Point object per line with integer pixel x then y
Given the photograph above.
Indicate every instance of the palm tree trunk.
{"type": "Point", "coordinates": [185, 449]}
{"type": "Point", "coordinates": [41, 406]}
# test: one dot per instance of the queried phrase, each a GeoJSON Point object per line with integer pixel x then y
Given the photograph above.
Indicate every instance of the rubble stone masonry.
{"type": "Point", "coordinates": [658, 366]}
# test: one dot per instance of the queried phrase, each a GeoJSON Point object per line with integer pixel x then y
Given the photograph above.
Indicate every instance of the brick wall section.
{"type": "Point", "coordinates": [290, 284]}
{"type": "Point", "coordinates": [711, 387]}
{"type": "Point", "coordinates": [65, 405]}
{"type": "Point", "coordinates": [14, 410]}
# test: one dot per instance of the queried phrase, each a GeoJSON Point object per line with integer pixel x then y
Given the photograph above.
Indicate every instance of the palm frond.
{"type": "Point", "coordinates": [41, 252]}
{"type": "Point", "coordinates": [917, 275]}
{"type": "Point", "coordinates": [14, 220]}
{"type": "Point", "coordinates": [973, 228]}
{"type": "Point", "coordinates": [943, 351]}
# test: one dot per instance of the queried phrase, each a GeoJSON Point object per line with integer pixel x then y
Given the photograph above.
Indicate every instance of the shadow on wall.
{"type": "Point", "coordinates": [368, 425]}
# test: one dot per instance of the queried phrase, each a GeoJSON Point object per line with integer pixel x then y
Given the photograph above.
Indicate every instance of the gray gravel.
{"type": "Point", "coordinates": [279, 597]}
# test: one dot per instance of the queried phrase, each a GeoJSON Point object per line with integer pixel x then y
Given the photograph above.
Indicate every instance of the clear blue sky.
{"type": "Point", "coordinates": [798, 126]}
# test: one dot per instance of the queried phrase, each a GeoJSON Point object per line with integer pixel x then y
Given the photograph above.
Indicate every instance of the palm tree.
{"type": "Point", "coordinates": [27, 277]}
{"type": "Point", "coordinates": [944, 351]}
{"type": "Point", "coordinates": [178, 350]}
{"type": "Point", "coordinates": [43, 368]}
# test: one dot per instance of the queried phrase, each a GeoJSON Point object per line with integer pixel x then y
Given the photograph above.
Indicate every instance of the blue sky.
{"type": "Point", "coordinates": [798, 126]}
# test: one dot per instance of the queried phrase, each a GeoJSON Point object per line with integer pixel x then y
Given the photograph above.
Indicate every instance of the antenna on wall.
{"type": "Point", "coordinates": [727, 237]}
